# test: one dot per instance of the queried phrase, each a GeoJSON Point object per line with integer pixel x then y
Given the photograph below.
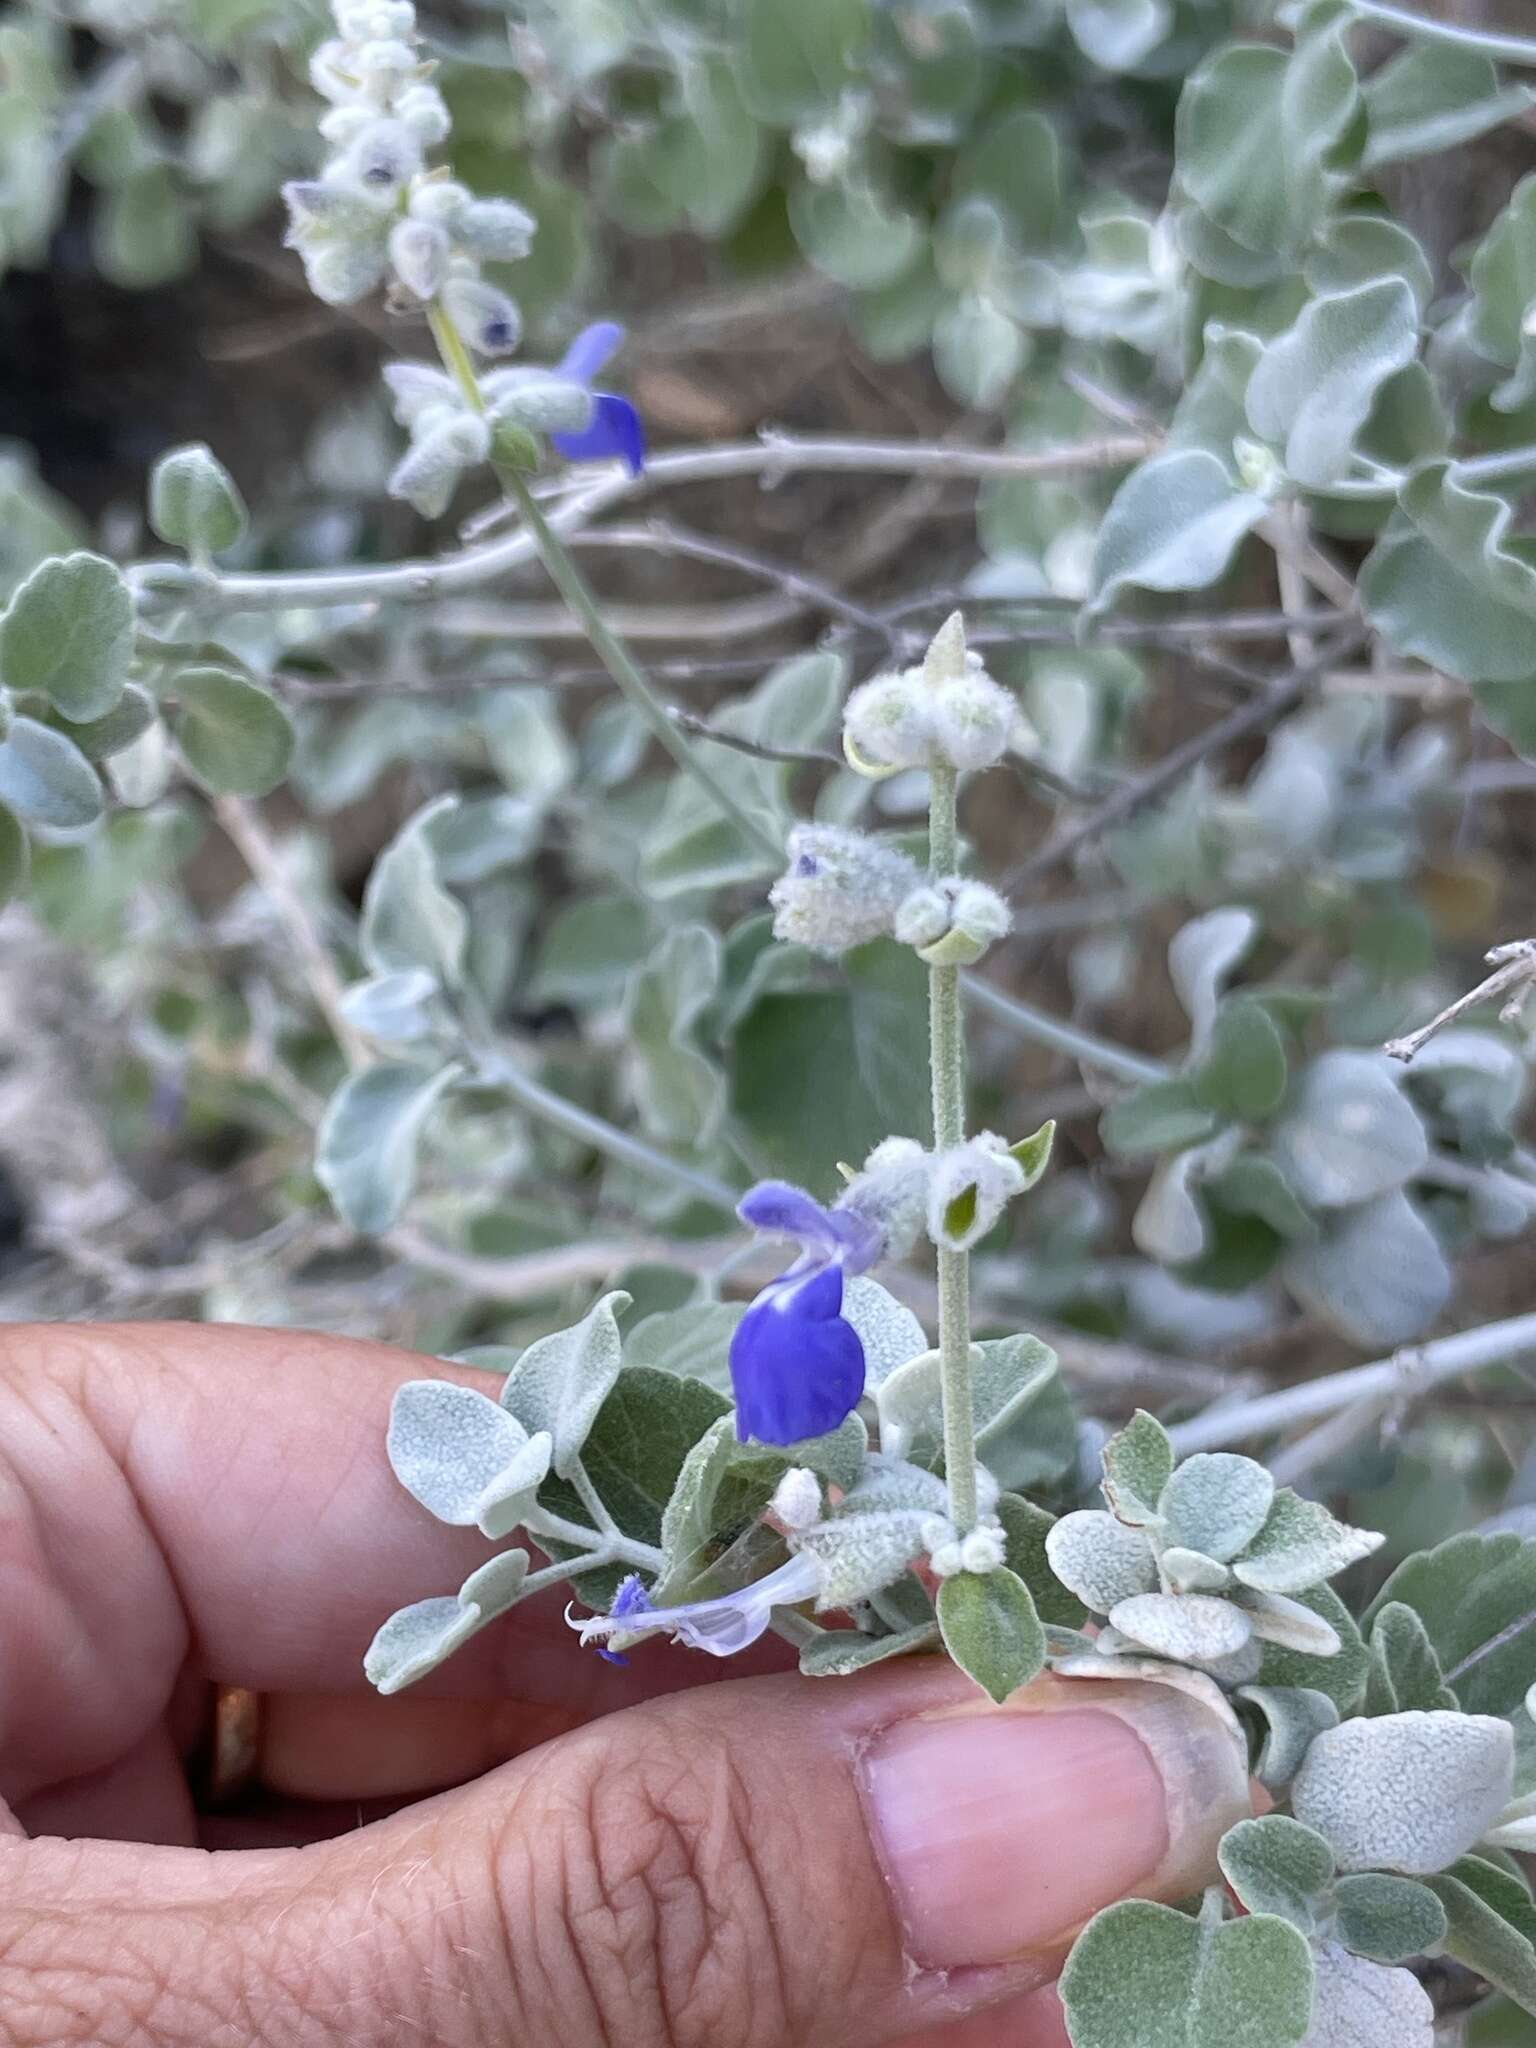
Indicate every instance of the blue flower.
{"type": "Point", "coordinates": [615, 427]}
{"type": "Point", "coordinates": [721, 1626]}
{"type": "Point", "coordinates": [631, 1599]}
{"type": "Point", "coordinates": [797, 1363]}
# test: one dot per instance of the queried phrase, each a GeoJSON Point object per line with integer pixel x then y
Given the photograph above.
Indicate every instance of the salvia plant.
{"type": "Point", "coordinates": [1238, 363]}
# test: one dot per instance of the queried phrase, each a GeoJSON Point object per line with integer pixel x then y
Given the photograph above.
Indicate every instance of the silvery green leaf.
{"type": "Point", "coordinates": [1191, 1571]}
{"type": "Point", "coordinates": [1503, 271]}
{"type": "Point", "coordinates": [67, 633]}
{"type": "Point", "coordinates": [1145, 1976]}
{"type": "Point", "coordinates": [1174, 524]}
{"type": "Point", "coordinates": [452, 1448]}
{"type": "Point", "coordinates": [838, 1653]}
{"type": "Point", "coordinates": [1432, 96]}
{"type": "Point", "coordinates": [1258, 132]}
{"type": "Point", "coordinates": [562, 1380]}
{"type": "Point", "coordinates": [365, 1150]}
{"type": "Point", "coordinates": [15, 857]}
{"type": "Point", "coordinates": [852, 233]}
{"type": "Point", "coordinates": [978, 350]}
{"type": "Point", "coordinates": [1361, 2004]}
{"type": "Point", "coordinates": [1408, 1792]}
{"type": "Point", "coordinates": [45, 779]}
{"type": "Point", "coordinates": [1300, 1545]}
{"type": "Point", "coordinates": [679, 1092]}
{"type": "Point", "coordinates": [1216, 1502]}
{"type": "Point", "coordinates": [991, 1630]}
{"type": "Point", "coordinates": [1242, 1074]}
{"type": "Point", "coordinates": [509, 1498]}
{"type": "Point", "coordinates": [1201, 958]}
{"type": "Point", "coordinates": [1138, 1463]}
{"type": "Point", "coordinates": [194, 502]}
{"type": "Point", "coordinates": [1405, 1672]}
{"type": "Point", "coordinates": [1350, 1132]}
{"type": "Point", "coordinates": [1388, 1919]}
{"type": "Point", "coordinates": [396, 1009]}
{"type": "Point", "coordinates": [587, 950]}
{"type": "Point", "coordinates": [798, 55]}
{"type": "Point", "coordinates": [1489, 1926]}
{"type": "Point", "coordinates": [233, 734]}
{"type": "Point", "coordinates": [1007, 1377]}
{"type": "Point", "coordinates": [528, 745]}
{"type": "Point", "coordinates": [1476, 1597]}
{"type": "Point", "coordinates": [1378, 1274]}
{"type": "Point", "coordinates": [416, 1639]}
{"type": "Point", "coordinates": [1100, 1559]}
{"type": "Point", "coordinates": [693, 1342]}
{"type": "Point", "coordinates": [1169, 1224]}
{"type": "Point", "coordinates": [483, 835]}
{"type": "Point", "coordinates": [409, 919]}
{"type": "Point", "coordinates": [1342, 1676]}
{"type": "Point", "coordinates": [1117, 34]}
{"type": "Point", "coordinates": [1275, 1865]}
{"type": "Point", "coordinates": [1315, 384]}
{"type": "Point", "coordinates": [1026, 1529]}
{"type": "Point", "coordinates": [1278, 1619]}
{"type": "Point", "coordinates": [887, 1328]}
{"type": "Point", "coordinates": [1359, 248]}
{"type": "Point", "coordinates": [1160, 1116]}
{"type": "Point", "coordinates": [1293, 1715]}
{"type": "Point", "coordinates": [1192, 1628]}
{"type": "Point", "coordinates": [129, 719]}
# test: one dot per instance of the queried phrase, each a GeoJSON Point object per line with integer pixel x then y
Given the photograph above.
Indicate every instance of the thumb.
{"type": "Point", "coordinates": [764, 1864]}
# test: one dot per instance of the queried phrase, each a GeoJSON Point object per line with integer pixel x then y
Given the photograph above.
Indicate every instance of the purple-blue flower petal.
{"type": "Point", "coordinates": [616, 429]}
{"type": "Point", "coordinates": [797, 1367]}
{"type": "Point", "coordinates": [779, 1207]}
{"type": "Point", "coordinates": [592, 348]}
{"type": "Point", "coordinates": [631, 1598]}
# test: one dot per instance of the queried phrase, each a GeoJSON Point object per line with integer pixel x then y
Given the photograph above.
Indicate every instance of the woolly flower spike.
{"type": "Point", "coordinates": [952, 922]}
{"type": "Point", "coordinates": [797, 1364]}
{"type": "Point", "coordinates": [841, 889]}
{"type": "Point", "coordinates": [946, 712]}
{"type": "Point", "coordinates": [969, 1188]}
{"type": "Point", "coordinates": [721, 1626]}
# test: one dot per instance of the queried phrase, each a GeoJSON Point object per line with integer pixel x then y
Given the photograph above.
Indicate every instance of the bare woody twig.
{"type": "Point", "coordinates": [1514, 965]}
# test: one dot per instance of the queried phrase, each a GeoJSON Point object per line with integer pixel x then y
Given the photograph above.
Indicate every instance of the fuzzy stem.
{"type": "Point", "coordinates": [946, 1044]}
{"type": "Point", "coordinates": [613, 1549]}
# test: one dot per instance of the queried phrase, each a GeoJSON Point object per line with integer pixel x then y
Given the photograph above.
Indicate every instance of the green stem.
{"type": "Point", "coordinates": [605, 1549]}
{"type": "Point", "coordinates": [573, 587]}
{"type": "Point", "coordinates": [946, 1046]}
{"type": "Point", "coordinates": [1502, 49]}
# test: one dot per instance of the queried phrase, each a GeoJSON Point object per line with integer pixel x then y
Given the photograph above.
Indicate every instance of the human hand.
{"type": "Point", "coordinates": [667, 1861]}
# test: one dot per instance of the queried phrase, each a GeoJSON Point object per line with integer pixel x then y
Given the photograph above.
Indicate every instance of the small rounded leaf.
{"type": "Point", "coordinates": [194, 502]}
{"type": "Point", "coordinates": [1408, 1792]}
{"type": "Point", "coordinates": [45, 779]}
{"type": "Point", "coordinates": [1100, 1559]}
{"type": "Point", "coordinates": [1192, 1628]}
{"type": "Point", "coordinates": [447, 1444]}
{"type": "Point", "coordinates": [68, 634]}
{"type": "Point", "coordinates": [1216, 1503]}
{"type": "Point", "coordinates": [1357, 2004]}
{"type": "Point", "coordinates": [991, 1630]}
{"type": "Point", "coordinates": [235, 735]}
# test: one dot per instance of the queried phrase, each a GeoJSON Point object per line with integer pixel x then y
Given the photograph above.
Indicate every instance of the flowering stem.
{"type": "Point", "coordinates": [946, 1054]}
{"type": "Point", "coordinates": [620, 664]}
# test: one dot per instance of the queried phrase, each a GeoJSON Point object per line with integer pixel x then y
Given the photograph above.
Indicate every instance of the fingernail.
{"type": "Point", "coordinates": [1003, 1829]}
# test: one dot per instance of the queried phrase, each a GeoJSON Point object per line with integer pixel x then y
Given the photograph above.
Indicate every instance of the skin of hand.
{"type": "Point", "coordinates": [534, 1846]}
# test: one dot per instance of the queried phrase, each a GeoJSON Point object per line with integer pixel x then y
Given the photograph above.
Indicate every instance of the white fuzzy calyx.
{"type": "Point", "coordinates": [952, 922]}
{"type": "Point", "coordinates": [969, 1187]}
{"type": "Point", "coordinates": [891, 1189]}
{"type": "Point", "coordinates": [945, 712]}
{"type": "Point", "coordinates": [796, 1502]}
{"type": "Point", "coordinates": [841, 888]}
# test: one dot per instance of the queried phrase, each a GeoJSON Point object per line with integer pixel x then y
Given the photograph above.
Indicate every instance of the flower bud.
{"type": "Point", "coordinates": [887, 724]}
{"type": "Point", "coordinates": [796, 1502]}
{"type": "Point", "coordinates": [382, 67]}
{"type": "Point", "coordinates": [363, 20]}
{"type": "Point", "coordinates": [892, 1191]}
{"type": "Point", "coordinates": [841, 888]}
{"type": "Point", "coordinates": [984, 1550]}
{"type": "Point", "coordinates": [952, 922]}
{"type": "Point", "coordinates": [535, 400]}
{"type": "Point", "coordinates": [487, 318]}
{"type": "Point", "coordinates": [330, 71]}
{"type": "Point", "coordinates": [424, 111]}
{"type": "Point", "coordinates": [974, 719]}
{"type": "Point", "coordinates": [419, 250]}
{"type": "Point", "coordinates": [439, 199]}
{"type": "Point", "coordinates": [341, 126]}
{"type": "Point", "coordinates": [413, 387]}
{"type": "Point", "coordinates": [378, 163]}
{"type": "Point", "coordinates": [426, 474]}
{"type": "Point", "coordinates": [968, 1189]}
{"type": "Point", "coordinates": [947, 1560]}
{"type": "Point", "coordinates": [499, 230]}
{"type": "Point", "coordinates": [194, 502]}
{"type": "Point", "coordinates": [342, 272]}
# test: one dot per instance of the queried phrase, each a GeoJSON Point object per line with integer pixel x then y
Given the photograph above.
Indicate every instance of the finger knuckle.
{"type": "Point", "coordinates": [657, 1912]}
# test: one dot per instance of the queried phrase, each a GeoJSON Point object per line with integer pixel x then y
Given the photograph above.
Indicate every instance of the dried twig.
{"type": "Point", "coordinates": [1514, 965]}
